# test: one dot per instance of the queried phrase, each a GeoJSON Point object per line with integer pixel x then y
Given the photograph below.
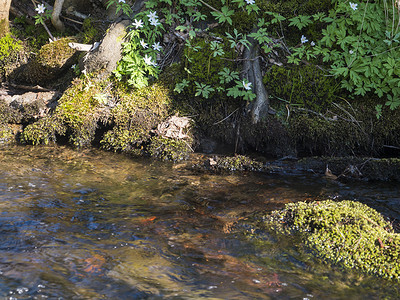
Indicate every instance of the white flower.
{"type": "Point", "coordinates": [247, 86]}
{"type": "Point", "coordinates": [249, 2]}
{"type": "Point", "coordinates": [138, 24]}
{"type": "Point", "coordinates": [312, 43]}
{"type": "Point", "coordinates": [147, 60]}
{"type": "Point", "coordinates": [353, 5]}
{"type": "Point", "coordinates": [121, 1]}
{"type": "Point", "coordinates": [154, 22]}
{"type": "Point", "coordinates": [40, 8]}
{"type": "Point", "coordinates": [303, 39]}
{"type": "Point", "coordinates": [73, 66]}
{"type": "Point", "coordinates": [152, 15]}
{"type": "Point", "coordinates": [144, 45]}
{"type": "Point", "coordinates": [351, 51]}
{"type": "Point", "coordinates": [157, 47]}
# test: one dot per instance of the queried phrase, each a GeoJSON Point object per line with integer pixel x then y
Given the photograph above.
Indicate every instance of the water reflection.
{"type": "Point", "coordinates": [93, 225]}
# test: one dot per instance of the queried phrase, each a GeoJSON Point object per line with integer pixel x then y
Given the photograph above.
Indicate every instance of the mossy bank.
{"type": "Point", "coordinates": [101, 112]}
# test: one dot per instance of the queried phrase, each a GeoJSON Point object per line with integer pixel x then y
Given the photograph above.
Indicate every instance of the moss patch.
{"type": "Point", "coordinates": [9, 49]}
{"type": "Point", "coordinates": [346, 233]}
{"type": "Point", "coordinates": [9, 115]}
{"type": "Point", "coordinates": [43, 131]}
{"type": "Point", "coordinates": [239, 163]}
{"type": "Point", "coordinates": [136, 114]}
{"type": "Point", "coordinates": [3, 28]}
{"type": "Point", "coordinates": [305, 86]}
{"type": "Point", "coordinates": [169, 148]}
{"type": "Point", "coordinates": [123, 120]}
{"type": "Point", "coordinates": [50, 62]}
{"type": "Point", "coordinates": [6, 134]}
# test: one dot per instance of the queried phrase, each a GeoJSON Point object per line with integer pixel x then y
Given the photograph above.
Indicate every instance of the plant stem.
{"type": "Point", "coordinates": [210, 7]}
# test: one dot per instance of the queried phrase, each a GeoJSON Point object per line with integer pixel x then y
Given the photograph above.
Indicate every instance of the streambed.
{"type": "Point", "coordinates": [98, 225]}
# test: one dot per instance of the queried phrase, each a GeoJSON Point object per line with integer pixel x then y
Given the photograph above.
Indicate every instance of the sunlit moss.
{"type": "Point", "coordinates": [137, 113]}
{"type": "Point", "coordinates": [9, 49]}
{"type": "Point", "coordinates": [346, 233]}
{"type": "Point", "coordinates": [239, 163]}
{"type": "Point", "coordinates": [51, 60]}
{"type": "Point", "coordinates": [6, 134]}
{"type": "Point", "coordinates": [43, 131]}
{"type": "Point", "coordinates": [169, 148]}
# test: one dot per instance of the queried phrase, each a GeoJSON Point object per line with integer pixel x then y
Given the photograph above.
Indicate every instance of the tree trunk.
{"type": "Point", "coordinates": [55, 16]}
{"type": "Point", "coordinates": [4, 12]}
{"type": "Point", "coordinates": [252, 72]}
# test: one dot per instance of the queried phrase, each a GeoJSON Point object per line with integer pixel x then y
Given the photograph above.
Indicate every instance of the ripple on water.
{"type": "Point", "coordinates": [94, 225]}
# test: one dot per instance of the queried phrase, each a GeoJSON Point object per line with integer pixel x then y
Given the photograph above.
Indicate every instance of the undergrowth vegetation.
{"type": "Point", "coordinates": [356, 43]}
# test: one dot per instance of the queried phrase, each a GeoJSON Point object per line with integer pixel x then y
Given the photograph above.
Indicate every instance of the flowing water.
{"type": "Point", "coordinates": [95, 225]}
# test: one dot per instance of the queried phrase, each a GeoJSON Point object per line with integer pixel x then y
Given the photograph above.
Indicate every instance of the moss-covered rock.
{"type": "Point", "coordinates": [76, 115]}
{"type": "Point", "coordinates": [43, 131]}
{"type": "Point", "coordinates": [123, 120]}
{"type": "Point", "coordinates": [169, 148]}
{"type": "Point", "coordinates": [8, 114]}
{"type": "Point", "coordinates": [51, 61]}
{"type": "Point", "coordinates": [346, 233]}
{"type": "Point", "coordinates": [238, 163]}
{"type": "Point", "coordinates": [136, 114]}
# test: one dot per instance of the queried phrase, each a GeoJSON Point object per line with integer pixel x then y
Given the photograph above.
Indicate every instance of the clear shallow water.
{"type": "Point", "coordinates": [95, 225]}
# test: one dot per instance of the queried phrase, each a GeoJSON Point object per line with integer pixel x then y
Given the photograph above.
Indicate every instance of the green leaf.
{"type": "Point", "coordinates": [300, 21]}
{"type": "Point", "coordinates": [224, 15]}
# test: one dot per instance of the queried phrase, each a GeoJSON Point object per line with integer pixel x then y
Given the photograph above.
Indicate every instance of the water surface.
{"type": "Point", "coordinates": [96, 225]}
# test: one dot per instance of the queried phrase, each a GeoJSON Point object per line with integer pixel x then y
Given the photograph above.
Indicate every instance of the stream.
{"type": "Point", "coordinates": [96, 225]}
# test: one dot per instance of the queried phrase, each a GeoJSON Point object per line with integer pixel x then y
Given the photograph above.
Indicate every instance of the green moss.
{"type": "Point", "coordinates": [238, 163]}
{"type": "Point", "coordinates": [168, 149]}
{"type": "Point", "coordinates": [51, 61]}
{"type": "Point", "coordinates": [9, 46]}
{"type": "Point", "coordinates": [7, 114]}
{"type": "Point", "coordinates": [76, 116]}
{"type": "Point", "coordinates": [9, 49]}
{"type": "Point", "coordinates": [346, 233]}
{"type": "Point", "coordinates": [305, 86]}
{"type": "Point", "coordinates": [88, 107]}
{"type": "Point", "coordinates": [79, 111]}
{"type": "Point", "coordinates": [89, 32]}
{"type": "Point", "coordinates": [6, 134]}
{"type": "Point", "coordinates": [3, 28]}
{"type": "Point", "coordinates": [43, 131]}
{"type": "Point", "coordinates": [136, 114]}
{"type": "Point", "coordinates": [130, 141]}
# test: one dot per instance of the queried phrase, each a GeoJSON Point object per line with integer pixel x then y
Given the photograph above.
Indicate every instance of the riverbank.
{"type": "Point", "coordinates": [311, 125]}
